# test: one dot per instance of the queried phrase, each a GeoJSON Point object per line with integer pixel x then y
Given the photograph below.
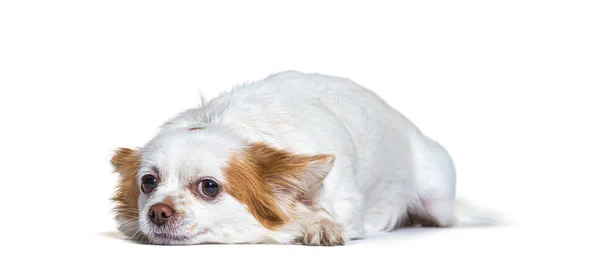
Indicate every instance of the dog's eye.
{"type": "Point", "coordinates": [208, 188]}
{"type": "Point", "coordinates": [149, 183]}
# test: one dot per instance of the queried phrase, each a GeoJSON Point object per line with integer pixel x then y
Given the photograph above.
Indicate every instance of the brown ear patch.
{"type": "Point", "coordinates": [126, 162]}
{"type": "Point", "coordinates": [269, 180]}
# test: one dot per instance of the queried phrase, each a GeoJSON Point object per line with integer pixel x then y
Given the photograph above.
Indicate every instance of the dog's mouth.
{"type": "Point", "coordinates": [170, 237]}
{"type": "Point", "coordinates": [177, 238]}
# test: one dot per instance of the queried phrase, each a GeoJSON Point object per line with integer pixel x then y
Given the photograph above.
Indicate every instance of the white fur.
{"type": "Point", "coordinates": [385, 167]}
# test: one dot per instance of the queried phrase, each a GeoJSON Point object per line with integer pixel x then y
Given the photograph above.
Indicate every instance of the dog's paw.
{"type": "Point", "coordinates": [324, 233]}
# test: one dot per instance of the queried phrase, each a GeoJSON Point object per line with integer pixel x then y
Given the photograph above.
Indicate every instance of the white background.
{"type": "Point", "coordinates": [509, 87]}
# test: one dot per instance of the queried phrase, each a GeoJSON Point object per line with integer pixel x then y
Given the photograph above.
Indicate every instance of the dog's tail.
{"type": "Point", "coordinates": [467, 214]}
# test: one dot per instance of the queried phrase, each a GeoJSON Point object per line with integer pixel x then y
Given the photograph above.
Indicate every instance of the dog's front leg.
{"type": "Point", "coordinates": [343, 201]}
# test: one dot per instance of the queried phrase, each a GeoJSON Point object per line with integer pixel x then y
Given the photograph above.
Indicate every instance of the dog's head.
{"type": "Point", "coordinates": [207, 185]}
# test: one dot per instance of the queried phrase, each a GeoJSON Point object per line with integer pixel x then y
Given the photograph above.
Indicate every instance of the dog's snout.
{"type": "Point", "coordinates": [160, 213]}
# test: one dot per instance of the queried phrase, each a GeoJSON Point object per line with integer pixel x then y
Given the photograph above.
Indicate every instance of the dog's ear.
{"type": "Point", "coordinates": [123, 159]}
{"type": "Point", "coordinates": [297, 177]}
{"type": "Point", "coordinates": [126, 163]}
{"type": "Point", "coordinates": [268, 180]}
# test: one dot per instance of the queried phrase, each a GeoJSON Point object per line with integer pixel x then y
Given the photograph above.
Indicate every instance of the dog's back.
{"type": "Point", "coordinates": [386, 171]}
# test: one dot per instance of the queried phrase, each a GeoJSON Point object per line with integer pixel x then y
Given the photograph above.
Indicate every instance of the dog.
{"type": "Point", "coordinates": [294, 158]}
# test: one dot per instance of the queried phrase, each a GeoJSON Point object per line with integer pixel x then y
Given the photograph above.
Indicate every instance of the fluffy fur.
{"type": "Point", "coordinates": [300, 158]}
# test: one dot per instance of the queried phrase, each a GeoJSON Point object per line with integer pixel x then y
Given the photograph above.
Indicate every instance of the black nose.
{"type": "Point", "coordinates": [160, 213]}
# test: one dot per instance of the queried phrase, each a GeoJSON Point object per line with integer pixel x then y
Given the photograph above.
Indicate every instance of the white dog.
{"type": "Point", "coordinates": [293, 158]}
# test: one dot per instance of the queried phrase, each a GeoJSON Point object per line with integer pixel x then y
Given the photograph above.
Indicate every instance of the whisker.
{"type": "Point", "coordinates": [136, 235]}
{"type": "Point", "coordinates": [129, 229]}
{"type": "Point", "coordinates": [126, 208]}
{"type": "Point", "coordinates": [139, 235]}
{"type": "Point", "coordinates": [128, 224]}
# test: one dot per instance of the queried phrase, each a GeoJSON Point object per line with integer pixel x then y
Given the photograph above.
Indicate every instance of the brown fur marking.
{"type": "Point", "coordinates": [126, 163]}
{"type": "Point", "coordinates": [264, 178]}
